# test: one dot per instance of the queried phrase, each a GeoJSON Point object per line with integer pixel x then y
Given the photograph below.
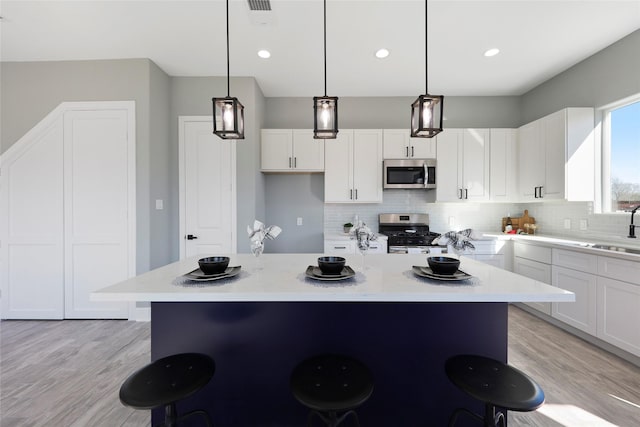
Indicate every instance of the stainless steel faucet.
{"type": "Point", "coordinates": [632, 227]}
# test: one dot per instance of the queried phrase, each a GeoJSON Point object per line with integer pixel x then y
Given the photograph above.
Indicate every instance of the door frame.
{"type": "Point", "coordinates": [182, 121]}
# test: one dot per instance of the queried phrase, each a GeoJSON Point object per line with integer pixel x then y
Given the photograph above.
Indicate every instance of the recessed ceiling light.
{"type": "Point", "coordinates": [492, 52]}
{"type": "Point", "coordinates": [264, 54]}
{"type": "Point", "coordinates": [382, 53]}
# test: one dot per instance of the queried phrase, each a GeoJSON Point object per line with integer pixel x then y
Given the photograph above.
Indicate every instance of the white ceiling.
{"type": "Point", "coordinates": [538, 39]}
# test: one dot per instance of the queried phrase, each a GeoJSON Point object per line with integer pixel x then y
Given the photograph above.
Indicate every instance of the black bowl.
{"type": "Point", "coordinates": [331, 264]}
{"type": "Point", "coordinates": [214, 264]}
{"type": "Point", "coordinates": [443, 264]}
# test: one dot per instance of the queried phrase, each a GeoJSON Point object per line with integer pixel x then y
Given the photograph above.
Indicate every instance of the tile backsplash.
{"type": "Point", "coordinates": [551, 217]}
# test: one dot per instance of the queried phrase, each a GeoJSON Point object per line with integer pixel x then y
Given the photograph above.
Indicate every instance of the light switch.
{"type": "Point", "coordinates": [299, 221]}
{"type": "Point", "coordinates": [159, 204]}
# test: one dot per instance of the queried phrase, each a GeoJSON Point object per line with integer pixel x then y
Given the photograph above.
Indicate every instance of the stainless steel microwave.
{"type": "Point", "coordinates": [409, 173]}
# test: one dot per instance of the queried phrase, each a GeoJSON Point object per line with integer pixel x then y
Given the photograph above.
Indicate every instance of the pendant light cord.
{"type": "Point", "coordinates": [426, 48]}
{"type": "Point", "coordinates": [325, 47]}
{"type": "Point", "coordinates": [228, 91]}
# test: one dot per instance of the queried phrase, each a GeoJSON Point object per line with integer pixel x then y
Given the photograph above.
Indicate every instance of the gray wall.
{"type": "Point", "coordinates": [161, 157]}
{"type": "Point", "coordinates": [31, 90]}
{"type": "Point", "coordinates": [607, 76]}
{"type": "Point", "coordinates": [290, 196]}
{"type": "Point", "coordinates": [395, 112]}
{"type": "Point", "coordinates": [191, 96]}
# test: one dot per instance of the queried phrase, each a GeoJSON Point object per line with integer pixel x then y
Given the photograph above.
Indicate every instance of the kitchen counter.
{"type": "Point", "coordinates": [258, 326]}
{"type": "Point", "coordinates": [586, 246]}
{"type": "Point", "coordinates": [388, 278]}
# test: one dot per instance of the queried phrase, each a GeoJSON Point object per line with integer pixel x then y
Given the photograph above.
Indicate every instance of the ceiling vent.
{"type": "Point", "coordinates": [259, 4]}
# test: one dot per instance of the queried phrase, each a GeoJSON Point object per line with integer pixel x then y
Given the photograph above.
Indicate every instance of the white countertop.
{"type": "Point", "coordinates": [387, 278]}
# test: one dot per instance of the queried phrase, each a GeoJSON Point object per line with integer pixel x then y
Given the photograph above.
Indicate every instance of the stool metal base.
{"type": "Point", "coordinates": [171, 419]}
{"type": "Point", "coordinates": [331, 419]}
{"type": "Point", "coordinates": [491, 417]}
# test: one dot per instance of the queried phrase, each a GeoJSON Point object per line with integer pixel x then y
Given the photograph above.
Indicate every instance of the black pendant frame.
{"type": "Point", "coordinates": [225, 126]}
{"type": "Point", "coordinates": [427, 125]}
{"type": "Point", "coordinates": [325, 117]}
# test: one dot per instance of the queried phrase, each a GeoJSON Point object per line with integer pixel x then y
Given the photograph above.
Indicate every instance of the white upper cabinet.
{"type": "Point", "coordinates": [398, 144]}
{"type": "Point", "coordinates": [557, 156]}
{"type": "Point", "coordinates": [287, 150]}
{"type": "Point", "coordinates": [463, 165]}
{"type": "Point", "coordinates": [503, 164]}
{"type": "Point", "coordinates": [353, 171]}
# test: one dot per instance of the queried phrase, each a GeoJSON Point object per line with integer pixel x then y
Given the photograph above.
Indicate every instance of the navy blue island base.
{"type": "Point", "coordinates": [257, 344]}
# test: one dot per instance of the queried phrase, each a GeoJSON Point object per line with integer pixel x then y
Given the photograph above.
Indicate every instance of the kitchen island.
{"type": "Point", "coordinates": [261, 323]}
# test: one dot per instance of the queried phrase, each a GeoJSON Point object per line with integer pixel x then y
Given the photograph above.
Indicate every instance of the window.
{"type": "Point", "coordinates": [621, 157]}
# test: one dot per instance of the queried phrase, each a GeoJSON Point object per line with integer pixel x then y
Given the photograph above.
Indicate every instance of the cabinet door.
{"type": "Point", "coordinates": [619, 314]}
{"type": "Point", "coordinates": [502, 165]}
{"type": "Point", "coordinates": [367, 166]}
{"type": "Point", "coordinates": [537, 271]}
{"type": "Point", "coordinates": [422, 148]}
{"type": "Point", "coordinates": [276, 154]}
{"type": "Point", "coordinates": [448, 171]}
{"type": "Point", "coordinates": [495, 260]}
{"type": "Point", "coordinates": [580, 314]}
{"type": "Point", "coordinates": [475, 164]}
{"type": "Point", "coordinates": [308, 153]}
{"type": "Point", "coordinates": [396, 143]}
{"type": "Point", "coordinates": [531, 159]}
{"type": "Point", "coordinates": [338, 171]}
{"type": "Point", "coordinates": [554, 127]}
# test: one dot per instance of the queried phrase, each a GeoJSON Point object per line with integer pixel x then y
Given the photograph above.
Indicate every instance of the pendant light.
{"type": "Point", "coordinates": [228, 112]}
{"type": "Point", "coordinates": [426, 111]}
{"type": "Point", "coordinates": [325, 108]}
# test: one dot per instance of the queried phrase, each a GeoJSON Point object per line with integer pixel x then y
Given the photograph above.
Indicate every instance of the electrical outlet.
{"type": "Point", "coordinates": [567, 223]}
{"type": "Point", "coordinates": [299, 221]}
{"type": "Point", "coordinates": [583, 224]}
{"type": "Point", "coordinates": [159, 204]}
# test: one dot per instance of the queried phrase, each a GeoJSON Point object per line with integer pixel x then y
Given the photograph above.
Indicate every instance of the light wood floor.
{"type": "Point", "coordinates": [67, 374]}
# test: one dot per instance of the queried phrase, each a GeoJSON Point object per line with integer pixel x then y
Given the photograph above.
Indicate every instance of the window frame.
{"type": "Point", "coordinates": [603, 197]}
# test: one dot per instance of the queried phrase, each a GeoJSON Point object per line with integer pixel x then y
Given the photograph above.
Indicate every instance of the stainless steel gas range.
{"type": "Point", "coordinates": [408, 233]}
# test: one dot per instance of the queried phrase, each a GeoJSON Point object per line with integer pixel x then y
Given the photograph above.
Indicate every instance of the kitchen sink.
{"type": "Point", "coordinates": [617, 249]}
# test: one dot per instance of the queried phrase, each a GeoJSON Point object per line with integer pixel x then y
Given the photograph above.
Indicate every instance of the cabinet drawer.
{"type": "Point", "coordinates": [532, 269]}
{"type": "Point", "coordinates": [339, 247]}
{"type": "Point", "coordinates": [533, 252]}
{"type": "Point", "coordinates": [575, 260]}
{"type": "Point", "coordinates": [377, 247]}
{"type": "Point", "coordinates": [620, 269]}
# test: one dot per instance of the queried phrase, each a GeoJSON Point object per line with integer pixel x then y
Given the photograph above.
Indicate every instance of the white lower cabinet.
{"type": "Point", "coordinates": [580, 314]}
{"type": "Point", "coordinates": [350, 247]}
{"type": "Point", "coordinates": [537, 271]}
{"type": "Point", "coordinates": [337, 247]}
{"type": "Point", "coordinates": [618, 314]}
{"type": "Point", "coordinates": [490, 252]}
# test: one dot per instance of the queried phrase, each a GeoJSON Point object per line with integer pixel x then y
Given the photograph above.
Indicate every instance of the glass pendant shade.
{"type": "Point", "coordinates": [325, 117]}
{"type": "Point", "coordinates": [426, 116]}
{"type": "Point", "coordinates": [228, 118]}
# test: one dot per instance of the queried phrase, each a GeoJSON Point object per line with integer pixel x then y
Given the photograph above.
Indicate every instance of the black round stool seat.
{"type": "Point", "coordinates": [167, 380]}
{"type": "Point", "coordinates": [489, 380]}
{"type": "Point", "coordinates": [331, 383]}
{"type": "Point", "coordinates": [494, 383]}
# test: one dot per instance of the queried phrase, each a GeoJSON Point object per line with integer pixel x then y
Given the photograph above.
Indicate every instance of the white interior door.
{"type": "Point", "coordinates": [31, 217]}
{"type": "Point", "coordinates": [99, 173]}
{"type": "Point", "coordinates": [207, 189]}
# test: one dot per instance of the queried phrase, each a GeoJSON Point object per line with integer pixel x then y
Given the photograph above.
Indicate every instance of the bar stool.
{"type": "Point", "coordinates": [494, 383]}
{"type": "Point", "coordinates": [166, 381]}
{"type": "Point", "coordinates": [332, 386]}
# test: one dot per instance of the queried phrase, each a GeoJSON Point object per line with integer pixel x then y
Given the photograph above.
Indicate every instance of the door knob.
{"type": "Point", "coordinates": [191, 237]}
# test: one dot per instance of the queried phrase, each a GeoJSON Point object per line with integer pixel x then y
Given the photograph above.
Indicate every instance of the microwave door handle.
{"type": "Point", "coordinates": [426, 175]}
